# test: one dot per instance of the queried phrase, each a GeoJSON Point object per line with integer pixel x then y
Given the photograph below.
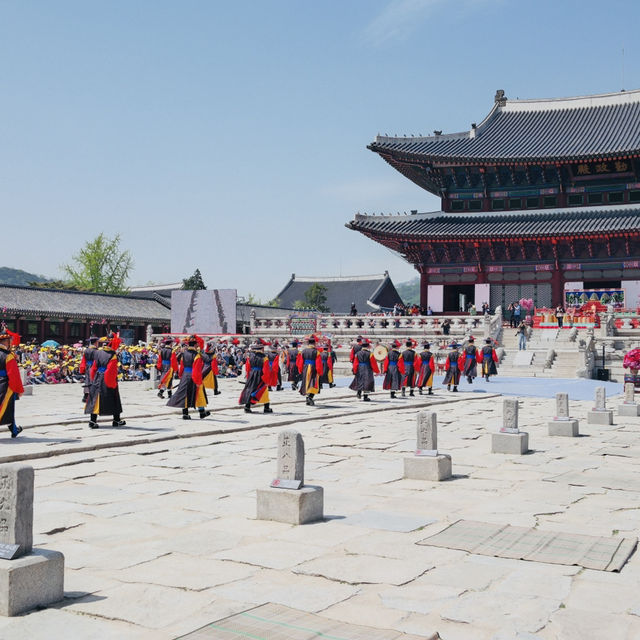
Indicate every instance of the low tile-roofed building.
{"type": "Point", "coordinates": [367, 292]}
{"type": "Point", "coordinates": [42, 313]}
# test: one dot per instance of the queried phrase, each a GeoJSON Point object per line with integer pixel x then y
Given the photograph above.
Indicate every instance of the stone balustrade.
{"type": "Point", "coordinates": [381, 325]}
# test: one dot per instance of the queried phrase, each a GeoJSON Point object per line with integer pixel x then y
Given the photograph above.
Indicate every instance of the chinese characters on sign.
{"type": "Point", "coordinates": [599, 168]}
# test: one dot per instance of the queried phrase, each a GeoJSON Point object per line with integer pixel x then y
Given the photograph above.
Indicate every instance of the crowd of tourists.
{"type": "Point", "coordinates": [51, 364]}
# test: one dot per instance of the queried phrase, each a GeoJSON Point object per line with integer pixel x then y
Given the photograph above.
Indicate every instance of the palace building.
{"type": "Point", "coordinates": [540, 199]}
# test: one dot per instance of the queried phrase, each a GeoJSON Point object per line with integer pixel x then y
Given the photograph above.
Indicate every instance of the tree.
{"type": "Point", "coordinates": [251, 299]}
{"type": "Point", "coordinates": [101, 266]}
{"type": "Point", "coordinates": [56, 284]}
{"type": "Point", "coordinates": [194, 282]}
{"type": "Point", "coordinates": [316, 296]}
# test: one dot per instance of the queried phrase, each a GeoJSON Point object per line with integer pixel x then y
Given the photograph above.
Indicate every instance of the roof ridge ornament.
{"type": "Point", "coordinates": [500, 98]}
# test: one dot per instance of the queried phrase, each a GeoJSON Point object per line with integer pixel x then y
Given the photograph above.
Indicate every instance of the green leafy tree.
{"type": "Point", "coordinates": [100, 266]}
{"type": "Point", "coordinates": [194, 282]}
{"type": "Point", "coordinates": [276, 302]}
{"type": "Point", "coordinates": [56, 284]}
{"type": "Point", "coordinates": [300, 305]}
{"type": "Point", "coordinates": [251, 299]}
{"type": "Point", "coordinates": [316, 296]}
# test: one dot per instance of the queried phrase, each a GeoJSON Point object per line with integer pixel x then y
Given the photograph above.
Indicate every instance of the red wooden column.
{"type": "Point", "coordinates": [424, 291]}
{"type": "Point", "coordinates": [557, 281]}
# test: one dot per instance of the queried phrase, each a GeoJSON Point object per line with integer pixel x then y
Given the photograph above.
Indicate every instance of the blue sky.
{"type": "Point", "coordinates": [231, 136]}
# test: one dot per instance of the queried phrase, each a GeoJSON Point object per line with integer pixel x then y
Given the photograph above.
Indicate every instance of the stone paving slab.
{"type": "Point", "coordinates": [386, 521]}
{"type": "Point", "coordinates": [277, 622]}
{"type": "Point", "coordinates": [506, 541]}
{"type": "Point", "coordinates": [204, 485]}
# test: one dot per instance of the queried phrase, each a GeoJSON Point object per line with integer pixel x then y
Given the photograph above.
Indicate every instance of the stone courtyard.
{"type": "Point", "coordinates": [157, 520]}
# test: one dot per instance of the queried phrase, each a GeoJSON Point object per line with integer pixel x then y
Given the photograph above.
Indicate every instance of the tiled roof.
{"type": "Point", "coordinates": [539, 222]}
{"type": "Point", "coordinates": [341, 292]}
{"type": "Point", "coordinates": [582, 127]}
{"type": "Point", "coordinates": [75, 304]}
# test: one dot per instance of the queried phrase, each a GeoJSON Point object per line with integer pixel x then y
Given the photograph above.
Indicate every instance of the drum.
{"type": "Point", "coordinates": [380, 352]}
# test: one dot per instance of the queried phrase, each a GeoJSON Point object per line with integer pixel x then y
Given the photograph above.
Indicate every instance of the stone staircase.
{"type": "Point", "coordinates": [536, 360]}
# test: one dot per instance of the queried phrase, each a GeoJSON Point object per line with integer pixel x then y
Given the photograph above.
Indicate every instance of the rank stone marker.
{"type": "Point", "coordinates": [36, 576]}
{"type": "Point", "coordinates": [288, 499]}
{"type": "Point", "coordinates": [600, 414]}
{"type": "Point", "coordinates": [563, 424]}
{"type": "Point", "coordinates": [510, 439]}
{"type": "Point", "coordinates": [427, 463]}
{"type": "Point", "coordinates": [28, 388]}
{"type": "Point", "coordinates": [629, 406]}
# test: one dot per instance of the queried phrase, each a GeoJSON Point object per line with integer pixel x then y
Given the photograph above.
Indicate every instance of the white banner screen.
{"type": "Point", "coordinates": [203, 311]}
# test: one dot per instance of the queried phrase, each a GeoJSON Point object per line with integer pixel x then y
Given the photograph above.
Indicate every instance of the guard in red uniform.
{"type": "Point", "coordinates": [292, 365]}
{"type": "Point", "coordinates": [256, 387]}
{"type": "Point", "coordinates": [210, 368]}
{"type": "Point", "coordinates": [86, 363]}
{"type": "Point", "coordinates": [408, 368]}
{"type": "Point", "coordinates": [425, 368]}
{"type": "Point", "coordinates": [10, 382]}
{"type": "Point", "coordinates": [310, 367]}
{"type": "Point", "coordinates": [190, 392]}
{"type": "Point", "coordinates": [364, 366]}
{"type": "Point", "coordinates": [167, 366]}
{"type": "Point", "coordinates": [487, 358]}
{"type": "Point", "coordinates": [469, 367]}
{"type": "Point", "coordinates": [355, 348]}
{"type": "Point", "coordinates": [104, 396]}
{"type": "Point", "coordinates": [275, 377]}
{"type": "Point", "coordinates": [328, 358]}
{"type": "Point", "coordinates": [452, 367]}
{"type": "Point", "coordinates": [393, 369]}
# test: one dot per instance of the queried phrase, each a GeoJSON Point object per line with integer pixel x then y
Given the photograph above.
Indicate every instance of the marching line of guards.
{"type": "Point", "coordinates": [196, 366]}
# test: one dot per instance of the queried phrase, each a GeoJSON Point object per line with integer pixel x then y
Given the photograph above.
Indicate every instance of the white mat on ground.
{"type": "Point", "coordinates": [524, 543]}
{"type": "Point", "coordinates": [277, 622]}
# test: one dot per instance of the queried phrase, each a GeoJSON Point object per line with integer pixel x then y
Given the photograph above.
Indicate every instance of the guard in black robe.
{"type": "Point", "coordinates": [10, 382]}
{"type": "Point", "coordinates": [328, 357]}
{"type": "Point", "coordinates": [86, 363]}
{"type": "Point", "coordinates": [256, 386]}
{"type": "Point", "coordinates": [364, 366]}
{"type": "Point", "coordinates": [354, 349]}
{"type": "Point", "coordinates": [104, 396]}
{"type": "Point", "coordinates": [309, 365]}
{"type": "Point", "coordinates": [391, 368]}
{"type": "Point", "coordinates": [452, 367]}
{"type": "Point", "coordinates": [487, 357]}
{"type": "Point", "coordinates": [190, 392]}
{"type": "Point", "coordinates": [292, 365]}
{"type": "Point", "coordinates": [167, 366]}
{"type": "Point", "coordinates": [408, 368]}
{"type": "Point", "coordinates": [275, 378]}
{"type": "Point", "coordinates": [469, 367]}
{"type": "Point", "coordinates": [425, 368]}
{"type": "Point", "coordinates": [210, 368]}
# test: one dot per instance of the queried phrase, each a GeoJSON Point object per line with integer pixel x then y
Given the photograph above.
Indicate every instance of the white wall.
{"type": "Point", "coordinates": [631, 293]}
{"type": "Point", "coordinates": [435, 297]}
{"type": "Point", "coordinates": [482, 294]}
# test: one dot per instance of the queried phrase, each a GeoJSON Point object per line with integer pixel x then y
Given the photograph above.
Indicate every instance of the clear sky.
{"type": "Point", "coordinates": [231, 136]}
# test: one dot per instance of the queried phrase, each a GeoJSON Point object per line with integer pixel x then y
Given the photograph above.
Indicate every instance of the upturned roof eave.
{"type": "Point", "coordinates": [431, 158]}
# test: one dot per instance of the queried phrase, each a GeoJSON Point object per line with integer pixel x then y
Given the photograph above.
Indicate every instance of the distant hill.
{"type": "Point", "coordinates": [18, 277]}
{"type": "Point", "coordinates": [409, 291]}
